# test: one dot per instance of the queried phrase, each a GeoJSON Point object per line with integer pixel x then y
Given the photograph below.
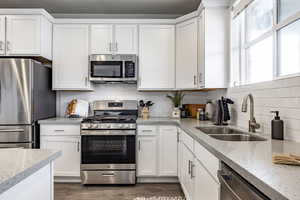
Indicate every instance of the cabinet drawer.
{"type": "Point", "coordinates": [167, 129]}
{"type": "Point", "coordinates": [147, 130]}
{"type": "Point", "coordinates": [209, 161]}
{"type": "Point", "coordinates": [187, 140]}
{"type": "Point", "coordinates": [58, 129]}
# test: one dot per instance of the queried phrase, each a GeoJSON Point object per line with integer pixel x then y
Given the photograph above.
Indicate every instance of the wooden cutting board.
{"type": "Point", "coordinates": [192, 109]}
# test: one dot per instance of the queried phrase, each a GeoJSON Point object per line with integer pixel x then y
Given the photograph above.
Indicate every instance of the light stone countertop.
{"type": "Point", "coordinates": [61, 120]}
{"type": "Point", "coordinates": [252, 160]}
{"type": "Point", "coordinates": [17, 164]}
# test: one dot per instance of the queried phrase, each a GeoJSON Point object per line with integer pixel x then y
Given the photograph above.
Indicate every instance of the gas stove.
{"type": "Point", "coordinates": [112, 115]}
{"type": "Point", "coordinates": [108, 143]}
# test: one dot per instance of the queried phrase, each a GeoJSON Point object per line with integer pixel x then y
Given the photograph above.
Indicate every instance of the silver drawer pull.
{"type": "Point", "coordinates": [146, 130]}
{"type": "Point", "coordinates": [12, 130]}
{"type": "Point", "coordinates": [59, 130]}
{"type": "Point", "coordinates": [108, 174]}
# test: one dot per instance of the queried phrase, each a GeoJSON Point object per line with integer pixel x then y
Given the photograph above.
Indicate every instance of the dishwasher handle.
{"type": "Point", "coordinates": [224, 182]}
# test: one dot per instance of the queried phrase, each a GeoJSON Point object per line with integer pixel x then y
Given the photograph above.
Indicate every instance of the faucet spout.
{"type": "Point", "coordinates": [253, 125]}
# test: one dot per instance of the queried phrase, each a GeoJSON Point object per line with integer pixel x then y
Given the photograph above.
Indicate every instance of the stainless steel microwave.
{"type": "Point", "coordinates": [113, 68]}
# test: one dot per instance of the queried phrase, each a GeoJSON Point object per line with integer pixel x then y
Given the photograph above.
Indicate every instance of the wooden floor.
{"type": "Point", "coordinates": [79, 192]}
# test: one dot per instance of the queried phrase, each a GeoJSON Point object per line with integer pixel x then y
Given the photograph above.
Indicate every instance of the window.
{"type": "Point", "coordinates": [289, 49]}
{"type": "Point", "coordinates": [260, 61]}
{"type": "Point", "coordinates": [256, 37]}
{"type": "Point", "coordinates": [259, 16]}
{"type": "Point", "coordinates": [287, 8]}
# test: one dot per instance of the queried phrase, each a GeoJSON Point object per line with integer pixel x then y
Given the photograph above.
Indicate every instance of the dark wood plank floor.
{"type": "Point", "coordinates": [79, 192]}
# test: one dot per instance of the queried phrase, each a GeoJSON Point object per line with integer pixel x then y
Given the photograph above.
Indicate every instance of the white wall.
{"type": "Point", "coordinates": [162, 107]}
{"type": "Point", "coordinates": [282, 95]}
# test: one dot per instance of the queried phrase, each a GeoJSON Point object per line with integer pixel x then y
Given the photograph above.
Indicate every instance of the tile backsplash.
{"type": "Point", "coordinates": [282, 95]}
{"type": "Point", "coordinates": [161, 108]}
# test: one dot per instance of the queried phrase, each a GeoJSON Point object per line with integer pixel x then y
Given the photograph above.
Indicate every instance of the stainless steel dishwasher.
{"type": "Point", "coordinates": [235, 187]}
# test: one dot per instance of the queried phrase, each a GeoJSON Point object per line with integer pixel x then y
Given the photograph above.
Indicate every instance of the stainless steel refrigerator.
{"type": "Point", "coordinates": [25, 97]}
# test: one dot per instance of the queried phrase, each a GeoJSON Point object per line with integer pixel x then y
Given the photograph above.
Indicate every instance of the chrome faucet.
{"type": "Point", "coordinates": [253, 125]}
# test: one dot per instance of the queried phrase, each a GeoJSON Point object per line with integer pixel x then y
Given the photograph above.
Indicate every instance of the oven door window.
{"type": "Point", "coordinates": [108, 149]}
{"type": "Point", "coordinates": [107, 69]}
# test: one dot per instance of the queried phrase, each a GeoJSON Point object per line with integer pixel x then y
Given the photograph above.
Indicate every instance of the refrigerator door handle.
{"type": "Point", "coordinates": [11, 130]}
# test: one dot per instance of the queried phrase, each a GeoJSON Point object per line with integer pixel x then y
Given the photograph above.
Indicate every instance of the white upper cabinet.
{"type": "Point", "coordinates": [126, 39]}
{"type": "Point", "coordinates": [156, 57]}
{"type": "Point", "coordinates": [101, 39]}
{"type": "Point", "coordinates": [23, 35]}
{"type": "Point", "coordinates": [70, 57]}
{"type": "Point", "coordinates": [186, 55]}
{"type": "Point", "coordinates": [2, 35]}
{"type": "Point", "coordinates": [26, 35]}
{"type": "Point", "coordinates": [118, 39]}
{"type": "Point", "coordinates": [213, 48]}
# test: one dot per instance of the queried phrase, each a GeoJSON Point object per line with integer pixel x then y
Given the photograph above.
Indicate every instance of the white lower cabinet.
{"type": "Point", "coordinates": [147, 156]}
{"type": "Point", "coordinates": [205, 187]}
{"type": "Point", "coordinates": [157, 151]}
{"type": "Point", "coordinates": [187, 182]}
{"type": "Point", "coordinates": [69, 163]}
{"type": "Point", "coordinates": [65, 138]}
{"type": "Point", "coordinates": [198, 182]}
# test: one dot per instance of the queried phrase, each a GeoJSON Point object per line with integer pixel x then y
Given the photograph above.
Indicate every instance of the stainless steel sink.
{"type": "Point", "coordinates": [219, 130]}
{"type": "Point", "coordinates": [241, 137]}
{"type": "Point", "coordinates": [229, 134]}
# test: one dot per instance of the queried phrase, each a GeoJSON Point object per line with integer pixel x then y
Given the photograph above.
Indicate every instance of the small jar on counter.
{"type": "Point", "coordinates": [201, 114]}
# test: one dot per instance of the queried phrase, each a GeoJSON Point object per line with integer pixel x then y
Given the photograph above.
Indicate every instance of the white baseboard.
{"type": "Point", "coordinates": [67, 179]}
{"type": "Point", "coordinates": [157, 180]}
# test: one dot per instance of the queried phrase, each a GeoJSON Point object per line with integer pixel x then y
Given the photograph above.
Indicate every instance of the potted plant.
{"type": "Point", "coordinates": [176, 100]}
{"type": "Point", "coordinates": [145, 108]}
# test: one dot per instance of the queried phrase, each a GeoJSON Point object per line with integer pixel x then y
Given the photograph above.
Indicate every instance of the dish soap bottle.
{"type": "Point", "coordinates": [277, 127]}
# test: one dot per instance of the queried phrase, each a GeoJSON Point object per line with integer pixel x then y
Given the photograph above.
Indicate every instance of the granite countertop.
{"type": "Point", "coordinates": [252, 160]}
{"type": "Point", "coordinates": [61, 120]}
{"type": "Point", "coordinates": [17, 164]}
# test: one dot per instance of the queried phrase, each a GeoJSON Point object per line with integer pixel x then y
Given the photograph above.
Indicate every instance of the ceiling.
{"type": "Point", "coordinates": [160, 7]}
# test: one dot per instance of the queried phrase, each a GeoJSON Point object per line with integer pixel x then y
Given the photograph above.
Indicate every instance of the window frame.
{"type": "Point", "coordinates": [245, 46]}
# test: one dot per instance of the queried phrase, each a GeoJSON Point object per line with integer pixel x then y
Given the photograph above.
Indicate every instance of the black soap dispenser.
{"type": "Point", "coordinates": [277, 127]}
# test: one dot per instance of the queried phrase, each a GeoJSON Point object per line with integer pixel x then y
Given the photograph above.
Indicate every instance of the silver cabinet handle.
{"type": "Point", "coordinates": [178, 137]}
{"type": "Point", "coordinates": [110, 47]}
{"type": "Point", "coordinates": [200, 77]}
{"type": "Point", "coordinates": [8, 46]}
{"type": "Point", "coordinates": [78, 146]}
{"type": "Point", "coordinates": [116, 46]}
{"type": "Point", "coordinates": [59, 130]}
{"type": "Point", "coordinates": [195, 81]}
{"type": "Point", "coordinates": [192, 169]}
{"type": "Point", "coordinates": [139, 145]}
{"type": "Point", "coordinates": [1, 46]}
{"type": "Point", "coordinates": [189, 167]}
{"type": "Point", "coordinates": [86, 81]}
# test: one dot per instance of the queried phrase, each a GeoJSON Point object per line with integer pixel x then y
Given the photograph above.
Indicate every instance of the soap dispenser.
{"type": "Point", "coordinates": [277, 127]}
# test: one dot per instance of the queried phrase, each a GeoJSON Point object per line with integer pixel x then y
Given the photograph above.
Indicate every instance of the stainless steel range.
{"type": "Point", "coordinates": [108, 143]}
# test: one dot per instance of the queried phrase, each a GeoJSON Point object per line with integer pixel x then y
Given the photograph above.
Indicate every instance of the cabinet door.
{"type": "Point", "coordinates": [126, 39]}
{"type": "Point", "coordinates": [23, 35]}
{"type": "Point", "coordinates": [101, 39]}
{"type": "Point", "coordinates": [157, 57]}
{"type": "Point", "coordinates": [205, 187]}
{"type": "Point", "coordinates": [201, 52]}
{"type": "Point", "coordinates": [69, 163]}
{"type": "Point", "coordinates": [70, 57]}
{"type": "Point", "coordinates": [2, 35]}
{"type": "Point", "coordinates": [186, 170]}
{"type": "Point", "coordinates": [147, 156]}
{"type": "Point", "coordinates": [167, 151]}
{"type": "Point", "coordinates": [186, 55]}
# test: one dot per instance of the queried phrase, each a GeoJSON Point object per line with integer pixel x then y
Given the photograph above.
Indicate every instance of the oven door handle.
{"type": "Point", "coordinates": [108, 132]}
